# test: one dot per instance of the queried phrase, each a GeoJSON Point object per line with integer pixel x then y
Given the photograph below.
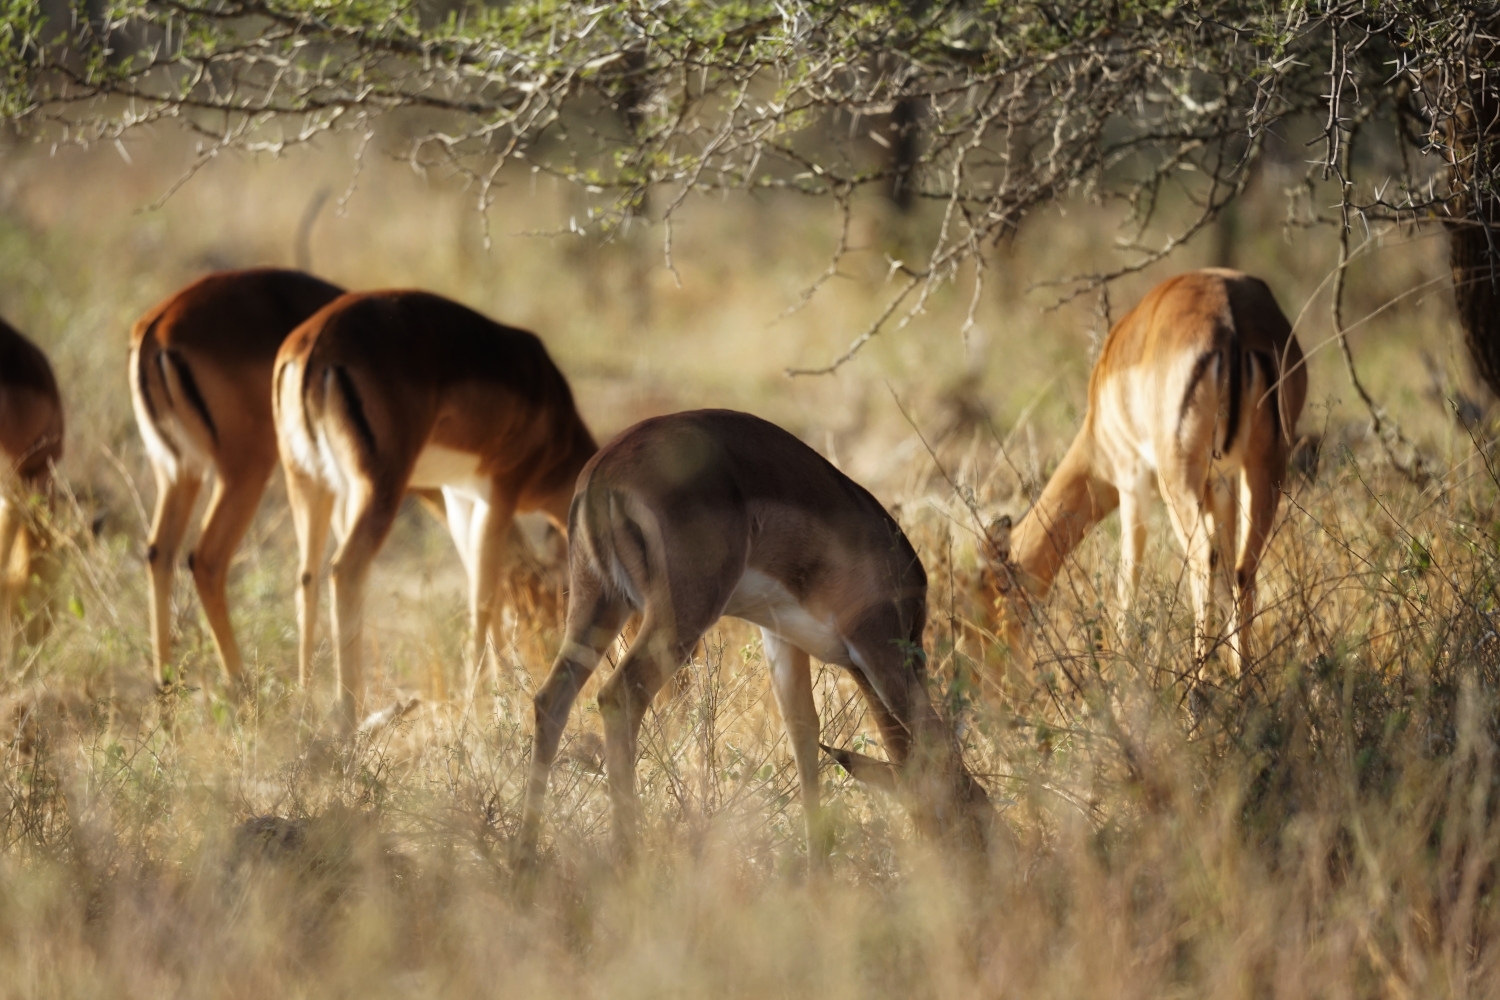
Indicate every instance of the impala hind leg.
{"type": "Point", "coordinates": [594, 620]}
{"type": "Point", "coordinates": [312, 513]}
{"type": "Point", "coordinates": [367, 520]}
{"type": "Point", "coordinates": [1224, 501]}
{"type": "Point", "coordinates": [231, 508]}
{"type": "Point", "coordinates": [1185, 493]}
{"type": "Point", "coordinates": [656, 654]}
{"type": "Point", "coordinates": [1260, 493]}
{"type": "Point", "coordinates": [791, 680]}
{"type": "Point", "coordinates": [174, 506]}
{"type": "Point", "coordinates": [1193, 533]}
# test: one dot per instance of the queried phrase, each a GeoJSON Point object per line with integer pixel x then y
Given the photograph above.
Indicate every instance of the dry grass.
{"type": "Point", "coordinates": [1327, 829]}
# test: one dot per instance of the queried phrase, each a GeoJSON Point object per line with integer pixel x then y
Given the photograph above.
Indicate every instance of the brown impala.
{"type": "Point", "coordinates": [200, 379]}
{"type": "Point", "coordinates": [1198, 387]}
{"type": "Point", "coordinates": [31, 439]}
{"type": "Point", "coordinates": [685, 518]}
{"type": "Point", "coordinates": [382, 392]}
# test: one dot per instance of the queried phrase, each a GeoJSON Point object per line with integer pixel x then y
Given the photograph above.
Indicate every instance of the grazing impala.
{"type": "Point", "coordinates": [1200, 387]}
{"type": "Point", "coordinates": [382, 392]}
{"type": "Point", "coordinates": [200, 380]}
{"type": "Point", "coordinates": [31, 439]}
{"type": "Point", "coordinates": [685, 518]}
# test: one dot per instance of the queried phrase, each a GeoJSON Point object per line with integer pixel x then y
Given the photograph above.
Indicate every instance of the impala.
{"type": "Point", "coordinates": [1199, 387]}
{"type": "Point", "coordinates": [31, 439]}
{"type": "Point", "coordinates": [382, 392]}
{"type": "Point", "coordinates": [686, 518]}
{"type": "Point", "coordinates": [200, 382]}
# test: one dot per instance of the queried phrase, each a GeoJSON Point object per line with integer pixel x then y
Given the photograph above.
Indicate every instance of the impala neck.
{"type": "Point", "coordinates": [1073, 501]}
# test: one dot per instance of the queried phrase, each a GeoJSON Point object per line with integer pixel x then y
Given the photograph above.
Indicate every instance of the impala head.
{"type": "Point", "coordinates": [943, 798]}
{"type": "Point", "coordinates": [1001, 580]}
{"type": "Point", "coordinates": [998, 569]}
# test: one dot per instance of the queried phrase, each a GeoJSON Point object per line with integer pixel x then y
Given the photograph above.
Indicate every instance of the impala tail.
{"type": "Point", "coordinates": [1232, 381]}
{"type": "Point", "coordinates": [1225, 367]}
{"type": "Point", "coordinates": [175, 420]}
{"type": "Point", "coordinates": [617, 538]}
{"type": "Point", "coordinates": [343, 414]}
{"type": "Point", "coordinates": [1216, 385]}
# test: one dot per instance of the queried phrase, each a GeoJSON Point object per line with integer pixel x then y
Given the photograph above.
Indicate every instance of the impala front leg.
{"type": "Point", "coordinates": [487, 533]}
{"type": "Point", "coordinates": [11, 526]}
{"type": "Point", "coordinates": [791, 680]}
{"type": "Point", "coordinates": [458, 510]}
{"type": "Point", "coordinates": [1132, 547]}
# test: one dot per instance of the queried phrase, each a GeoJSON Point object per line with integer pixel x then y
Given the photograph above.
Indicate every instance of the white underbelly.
{"type": "Point", "coordinates": [762, 600]}
{"type": "Point", "coordinates": [446, 468]}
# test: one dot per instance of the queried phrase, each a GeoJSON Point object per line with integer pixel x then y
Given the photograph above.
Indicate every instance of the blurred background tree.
{"type": "Point", "coordinates": [988, 109]}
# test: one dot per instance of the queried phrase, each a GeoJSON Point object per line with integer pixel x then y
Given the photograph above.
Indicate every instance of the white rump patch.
{"type": "Point", "coordinates": [291, 423]}
{"type": "Point", "coordinates": [175, 457]}
{"type": "Point", "coordinates": [188, 459]}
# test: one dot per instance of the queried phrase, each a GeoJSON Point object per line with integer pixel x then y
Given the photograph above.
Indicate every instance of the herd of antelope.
{"type": "Point", "coordinates": [364, 397]}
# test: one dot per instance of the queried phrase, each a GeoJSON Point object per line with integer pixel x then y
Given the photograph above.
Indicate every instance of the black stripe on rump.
{"type": "Point", "coordinates": [1200, 369]}
{"type": "Point", "coordinates": [142, 379]}
{"type": "Point", "coordinates": [356, 408]}
{"type": "Point", "coordinates": [1236, 380]}
{"type": "Point", "coordinates": [194, 394]}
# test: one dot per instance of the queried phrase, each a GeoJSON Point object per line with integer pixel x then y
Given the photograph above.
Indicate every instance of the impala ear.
{"type": "Point", "coordinates": [878, 773]}
{"type": "Point", "coordinates": [997, 535]}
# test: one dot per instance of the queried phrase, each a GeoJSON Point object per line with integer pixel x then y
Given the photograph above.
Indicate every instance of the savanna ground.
{"type": "Point", "coordinates": [1327, 828]}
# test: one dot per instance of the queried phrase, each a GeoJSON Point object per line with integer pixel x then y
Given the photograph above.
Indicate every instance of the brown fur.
{"type": "Point", "coordinates": [668, 521]}
{"type": "Point", "coordinates": [381, 376]}
{"type": "Point", "coordinates": [31, 440]}
{"type": "Point", "coordinates": [200, 374]}
{"type": "Point", "coordinates": [1204, 376]}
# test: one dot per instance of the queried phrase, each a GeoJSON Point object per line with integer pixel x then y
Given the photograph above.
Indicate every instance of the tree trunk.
{"type": "Point", "coordinates": [1473, 236]}
{"type": "Point", "coordinates": [1475, 259]}
{"type": "Point", "coordinates": [904, 131]}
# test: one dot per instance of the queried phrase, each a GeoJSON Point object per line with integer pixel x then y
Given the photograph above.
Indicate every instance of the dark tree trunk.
{"type": "Point", "coordinates": [904, 132]}
{"type": "Point", "coordinates": [1473, 236]}
{"type": "Point", "coordinates": [632, 107]}
{"type": "Point", "coordinates": [1475, 259]}
{"type": "Point", "coordinates": [902, 163]}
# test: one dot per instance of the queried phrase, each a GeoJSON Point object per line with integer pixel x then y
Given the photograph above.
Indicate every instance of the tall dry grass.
{"type": "Point", "coordinates": [1326, 828]}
